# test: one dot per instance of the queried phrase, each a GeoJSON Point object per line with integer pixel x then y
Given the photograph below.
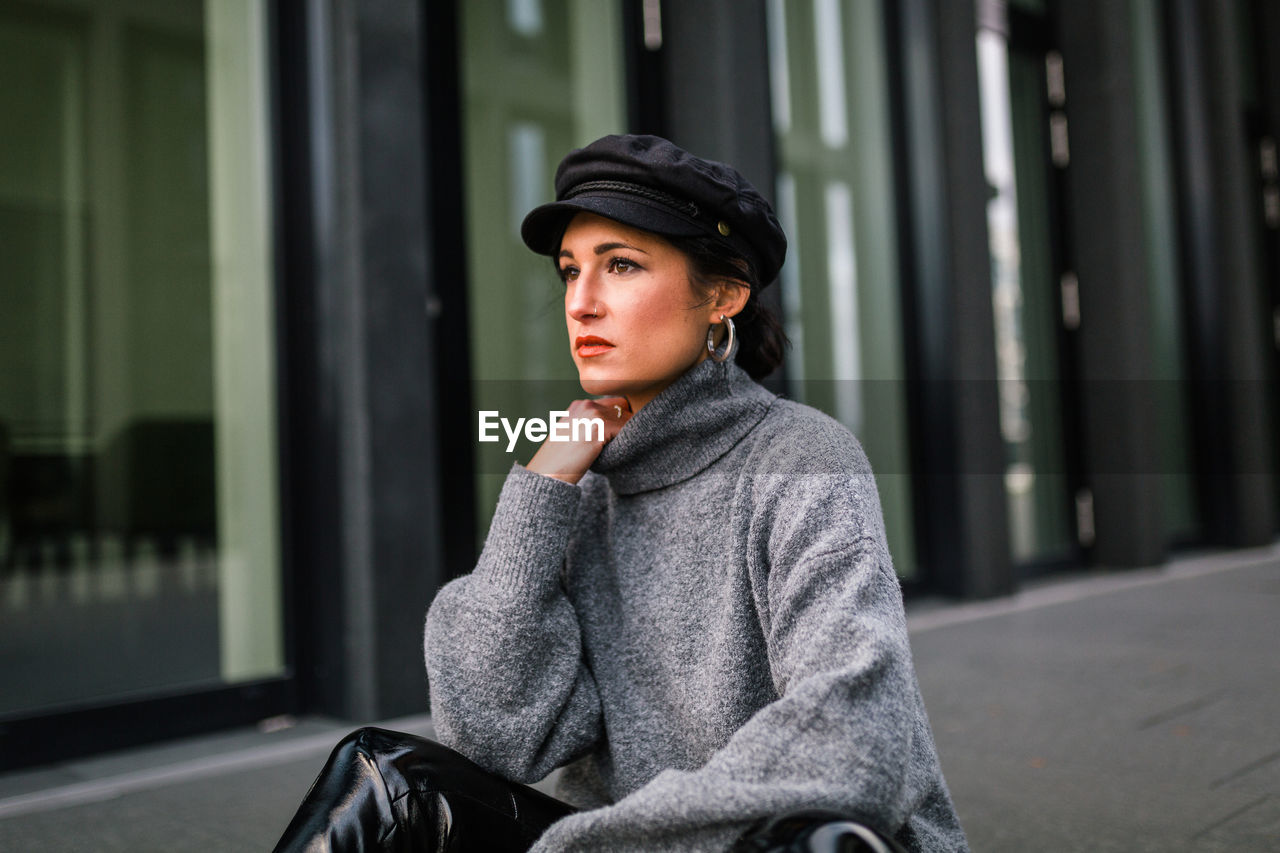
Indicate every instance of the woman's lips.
{"type": "Point", "coordinates": [588, 346]}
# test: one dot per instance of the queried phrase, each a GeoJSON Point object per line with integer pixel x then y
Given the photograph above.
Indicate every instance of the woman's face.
{"type": "Point", "coordinates": [635, 321]}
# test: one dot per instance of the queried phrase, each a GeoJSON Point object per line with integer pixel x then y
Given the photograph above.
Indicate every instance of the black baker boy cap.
{"type": "Point", "coordinates": [649, 183]}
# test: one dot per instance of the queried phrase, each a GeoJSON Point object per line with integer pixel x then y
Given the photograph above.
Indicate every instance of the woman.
{"type": "Point", "coordinates": [696, 617]}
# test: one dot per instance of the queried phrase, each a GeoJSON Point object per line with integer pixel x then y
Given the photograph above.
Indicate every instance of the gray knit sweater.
{"type": "Point", "coordinates": [707, 630]}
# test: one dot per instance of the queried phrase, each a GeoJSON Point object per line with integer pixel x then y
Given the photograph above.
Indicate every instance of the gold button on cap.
{"type": "Point", "coordinates": [723, 227]}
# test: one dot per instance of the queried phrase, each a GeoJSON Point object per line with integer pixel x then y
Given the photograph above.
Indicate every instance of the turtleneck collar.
{"type": "Point", "coordinates": [693, 422]}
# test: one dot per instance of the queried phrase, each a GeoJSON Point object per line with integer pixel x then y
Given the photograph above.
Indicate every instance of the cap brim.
{"type": "Point", "coordinates": [545, 225]}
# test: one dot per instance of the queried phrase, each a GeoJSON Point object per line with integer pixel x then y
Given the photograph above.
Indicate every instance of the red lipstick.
{"type": "Point", "coordinates": [588, 346]}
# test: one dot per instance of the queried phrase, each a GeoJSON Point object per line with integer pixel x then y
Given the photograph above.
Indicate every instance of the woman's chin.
{"type": "Point", "coordinates": [597, 380]}
{"type": "Point", "coordinates": [601, 386]}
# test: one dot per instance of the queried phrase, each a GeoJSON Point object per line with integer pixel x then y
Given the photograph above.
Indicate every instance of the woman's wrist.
{"type": "Point", "coordinates": [548, 463]}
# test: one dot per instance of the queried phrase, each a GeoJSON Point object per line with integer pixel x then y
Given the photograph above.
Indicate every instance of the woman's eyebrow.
{"type": "Point", "coordinates": [609, 247]}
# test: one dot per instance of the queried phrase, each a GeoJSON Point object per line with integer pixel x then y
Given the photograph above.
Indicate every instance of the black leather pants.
{"type": "Point", "coordinates": [394, 792]}
{"type": "Point", "coordinates": [398, 793]}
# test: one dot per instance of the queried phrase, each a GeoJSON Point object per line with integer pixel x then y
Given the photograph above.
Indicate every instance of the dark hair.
{"type": "Point", "coordinates": [761, 339]}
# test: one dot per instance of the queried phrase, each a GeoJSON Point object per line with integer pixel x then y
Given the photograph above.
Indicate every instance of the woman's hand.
{"type": "Point", "coordinates": [569, 460]}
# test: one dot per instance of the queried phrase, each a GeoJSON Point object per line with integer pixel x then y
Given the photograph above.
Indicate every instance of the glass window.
{"type": "Point", "coordinates": [840, 285]}
{"type": "Point", "coordinates": [138, 521]}
{"type": "Point", "coordinates": [540, 77]}
{"type": "Point", "coordinates": [1024, 292]}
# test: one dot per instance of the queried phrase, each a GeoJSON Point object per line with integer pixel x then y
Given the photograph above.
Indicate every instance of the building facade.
{"type": "Point", "coordinates": [262, 270]}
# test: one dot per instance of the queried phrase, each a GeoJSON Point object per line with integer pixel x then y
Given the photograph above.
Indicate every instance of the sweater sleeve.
{"type": "Point", "coordinates": [848, 731]}
{"type": "Point", "coordinates": [509, 688]}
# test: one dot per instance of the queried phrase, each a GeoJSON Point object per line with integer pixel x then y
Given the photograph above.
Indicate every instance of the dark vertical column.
{"type": "Point", "coordinates": [1229, 347]}
{"type": "Point", "coordinates": [1265, 26]}
{"type": "Point", "coordinates": [714, 73]}
{"type": "Point", "coordinates": [958, 453]}
{"type": "Point", "coordinates": [646, 75]}
{"type": "Point", "coordinates": [404, 407]}
{"type": "Point", "coordinates": [1121, 450]}
{"type": "Point", "coordinates": [363, 468]}
{"type": "Point", "coordinates": [447, 301]}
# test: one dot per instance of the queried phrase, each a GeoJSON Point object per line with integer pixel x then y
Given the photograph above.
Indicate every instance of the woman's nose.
{"type": "Point", "coordinates": [582, 299]}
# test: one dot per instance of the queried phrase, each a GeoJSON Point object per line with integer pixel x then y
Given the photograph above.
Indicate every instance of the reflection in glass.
{"type": "Point", "coordinates": [840, 284]}
{"type": "Point", "coordinates": [1024, 290]}
{"type": "Point", "coordinates": [138, 529]}
{"type": "Point", "coordinates": [540, 77]}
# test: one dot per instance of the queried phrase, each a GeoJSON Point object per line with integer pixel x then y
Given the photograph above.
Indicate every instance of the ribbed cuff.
{"type": "Point", "coordinates": [525, 546]}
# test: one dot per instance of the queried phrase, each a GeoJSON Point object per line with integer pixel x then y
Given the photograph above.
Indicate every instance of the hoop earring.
{"type": "Point", "coordinates": [730, 340]}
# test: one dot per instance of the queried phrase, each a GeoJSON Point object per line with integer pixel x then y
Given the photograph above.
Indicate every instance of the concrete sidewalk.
{"type": "Point", "coordinates": [1134, 711]}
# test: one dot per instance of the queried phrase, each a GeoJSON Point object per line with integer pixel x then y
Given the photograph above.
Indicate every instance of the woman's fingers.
{"type": "Point", "coordinates": [613, 411]}
{"type": "Point", "coordinates": [569, 460]}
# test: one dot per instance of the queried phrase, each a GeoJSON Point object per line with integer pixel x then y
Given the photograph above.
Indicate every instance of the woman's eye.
{"type": "Point", "coordinates": [568, 273]}
{"type": "Point", "coordinates": [622, 265]}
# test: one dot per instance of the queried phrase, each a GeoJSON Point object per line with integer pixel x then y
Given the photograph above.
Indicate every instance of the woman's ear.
{"type": "Point", "coordinates": [731, 297]}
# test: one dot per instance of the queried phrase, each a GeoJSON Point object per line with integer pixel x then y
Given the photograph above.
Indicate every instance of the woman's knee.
{"type": "Point", "coordinates": [406, 792]}
{"type": "Point", "coordinates": [371, 740]}
{"type": "Point", "coordinates": [408, 765]}
{"type": "Point", "coordinates": [358, 801]}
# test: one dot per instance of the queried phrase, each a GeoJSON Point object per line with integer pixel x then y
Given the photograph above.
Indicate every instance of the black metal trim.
{"type": "Point", "coordinates": [30, 741]}
{"type": "Point", "coordinates": [1036, 35]}
{"type": "Point", "coordinates": [646, 75]}
{"type": "Point", "coordinates": [281, 27]}
{"type": "Point", "coordinates": [307, 448]}
{"type": "Point", "coordinates": [446, 221]}
{"type": "Point", "coordinates": [1264, 24]}
{"type": "Point", "coordinates": [1028, 30]}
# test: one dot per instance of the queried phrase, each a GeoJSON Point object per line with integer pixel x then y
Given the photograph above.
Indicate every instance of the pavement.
{"type": "Point", "coordinates": [1125, 711]}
